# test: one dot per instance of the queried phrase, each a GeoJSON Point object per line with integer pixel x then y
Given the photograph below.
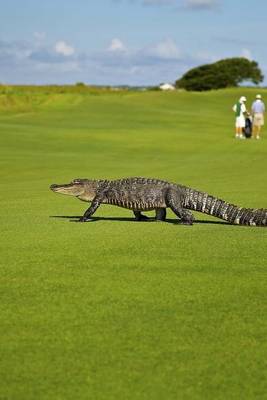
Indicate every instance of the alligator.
{"type": "Point", "coordinates": [145, 194]}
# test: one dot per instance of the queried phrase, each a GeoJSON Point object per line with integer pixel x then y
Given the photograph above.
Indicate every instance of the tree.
{"type": "Point", "coordinates": [80, 84]}
{"type": "Point", "coordinates": [229, 72]}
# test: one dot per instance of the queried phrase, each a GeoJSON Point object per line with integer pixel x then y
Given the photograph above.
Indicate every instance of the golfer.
{"type": "Point", "coordinates": [240, 111]}
{"type": "Point", "coordinates": [257, 111]}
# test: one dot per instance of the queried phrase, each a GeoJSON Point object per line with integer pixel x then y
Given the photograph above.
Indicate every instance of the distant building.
{"type": "Point", "coordinates": [166, 86]}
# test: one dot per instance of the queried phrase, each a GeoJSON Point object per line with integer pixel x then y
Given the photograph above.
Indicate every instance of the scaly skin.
{"type": "Point", "coordinates": [145, 194]}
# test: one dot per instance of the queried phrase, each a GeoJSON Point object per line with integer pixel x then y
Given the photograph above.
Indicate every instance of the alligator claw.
{"type": "Point", "coordinates": [84, 219]}
{"type": "Point", "coordinates": [189, 223]}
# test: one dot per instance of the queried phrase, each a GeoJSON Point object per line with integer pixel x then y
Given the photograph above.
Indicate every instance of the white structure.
{"type": "Point", "coordinates": [166, 86]}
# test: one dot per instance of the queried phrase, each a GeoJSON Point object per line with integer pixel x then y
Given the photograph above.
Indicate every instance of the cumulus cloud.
{"type": "Point", "coordinates": [180, 4]}
{"type": "Point", "coordinates": [47, 56]}
{"type": "Point", "coordinates": [164, 50]}
{"type": "Point", "coordinates": [162, 60]}
{"type": "Point", "coordinates": [205, 57]}
{"type": "Point", "coordinates": [42, 62]}
{"type": "Point", "coordinates": [34, 61]}
{"type": "Point", "coordinates": [117, 45]}
{"type": "Point", "coordinates": [200, 4]}
{"type": "Point", "coordinates": [246, 53]}
{"type": "Point", "coordinates": [189, 4]}
{"type": "Point", "coordinates": [158, 2]}
{"type": "Point", "coordinates": [55, 68]}
{"type": "Point", "coordinates": [16, 50]}
{"type": "Point", "coordinates": [39, 36]}
{"type": "Point", "coordinates": [63, 48]}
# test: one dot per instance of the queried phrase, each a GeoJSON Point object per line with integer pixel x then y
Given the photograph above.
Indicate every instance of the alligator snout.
{"type": "Point", "coordinates": [53, 186]}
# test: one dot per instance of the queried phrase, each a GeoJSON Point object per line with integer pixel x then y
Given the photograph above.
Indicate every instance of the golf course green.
{"type": "Point", "coordinates": [119, 309]}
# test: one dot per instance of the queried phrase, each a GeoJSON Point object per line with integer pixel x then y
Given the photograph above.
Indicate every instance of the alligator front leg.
{"type": "Point", "coordinates": [91, 210]}
{"type": "Point", "coordinates": [173, 200]}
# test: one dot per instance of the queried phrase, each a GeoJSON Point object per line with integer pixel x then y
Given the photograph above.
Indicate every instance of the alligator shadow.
{"type": "Point", "coordinates": [76, 218]}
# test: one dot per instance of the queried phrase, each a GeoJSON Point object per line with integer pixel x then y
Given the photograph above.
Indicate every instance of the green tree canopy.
{"type": "Point", "coordinates": [229, 72]}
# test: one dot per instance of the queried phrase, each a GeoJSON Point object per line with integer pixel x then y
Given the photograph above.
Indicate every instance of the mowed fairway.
{"type": "Point", "coordinates": [118, 309]}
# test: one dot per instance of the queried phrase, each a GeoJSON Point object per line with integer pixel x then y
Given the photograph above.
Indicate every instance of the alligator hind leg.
{"type": "Point", "coordinates": [160, 214]}
{"type": "Point", "coordinates": [139, 216]}
{"type": "Point", "coordinates": [173, 200]}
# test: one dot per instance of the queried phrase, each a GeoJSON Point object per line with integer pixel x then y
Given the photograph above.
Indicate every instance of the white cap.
{"type": "Point", "coordinates": [242, 99]}
{"type": "Point", "coordinates": [258, 96]}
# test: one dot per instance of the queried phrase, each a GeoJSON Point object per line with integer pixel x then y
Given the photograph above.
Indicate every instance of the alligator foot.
{"type": "Point", "coordinates": [189, 223]}
{"type": "Point", "coordinates": [85, 219]}
{"type": "Point", "coordinates": [140, 217]}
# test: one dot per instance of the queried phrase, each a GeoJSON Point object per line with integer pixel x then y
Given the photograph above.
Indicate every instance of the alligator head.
{"type": "Point", "coordinates": [81, 188]}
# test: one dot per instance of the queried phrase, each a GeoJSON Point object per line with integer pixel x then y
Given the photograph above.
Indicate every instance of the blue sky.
{"type": "Point", "coordinates": [136, 42]}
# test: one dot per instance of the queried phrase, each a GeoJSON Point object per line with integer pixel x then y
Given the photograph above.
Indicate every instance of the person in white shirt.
{"type": "Point", "coordinates": [257, 111]}
{"type": "Point", "coordinates": [240, 111]}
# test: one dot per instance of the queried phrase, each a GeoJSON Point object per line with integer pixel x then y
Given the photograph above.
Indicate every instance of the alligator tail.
{"type": "Point", "coordinates": [205, 203]}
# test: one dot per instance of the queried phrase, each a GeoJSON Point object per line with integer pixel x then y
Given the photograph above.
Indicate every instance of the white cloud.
{"type": "Point", "coordinates": [31, 62]}
{"type": "Point", "coordinates": [17, 50]}
{"type": "Point", "coordinates": [68, 66]}
{"type": "Point", "coordinates": [116, 45]}
{"type": "Point", "coordinates": [180, 4]}
{"type": "Point", "coordinates": [63, 48]}
{"type": "Point", "coordinates": [200, 4]}
{"type": "Point", "coordinates": [39, 36]}
{"type": "Point", "coordinates": [246, 53]}
{"type": "Point", "coordinates": [158, 2]}
{"type": "Point", "coordinates": [206, 57]}
{"type": "Point", "coordinates": [165, 49]}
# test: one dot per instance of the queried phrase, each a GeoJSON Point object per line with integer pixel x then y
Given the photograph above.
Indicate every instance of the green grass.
{"type": "Point", "coordinates": [116, 309]}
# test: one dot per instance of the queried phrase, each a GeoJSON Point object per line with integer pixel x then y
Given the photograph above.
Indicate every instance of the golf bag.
{"type": "Point", "coordinates": [248, 128]}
